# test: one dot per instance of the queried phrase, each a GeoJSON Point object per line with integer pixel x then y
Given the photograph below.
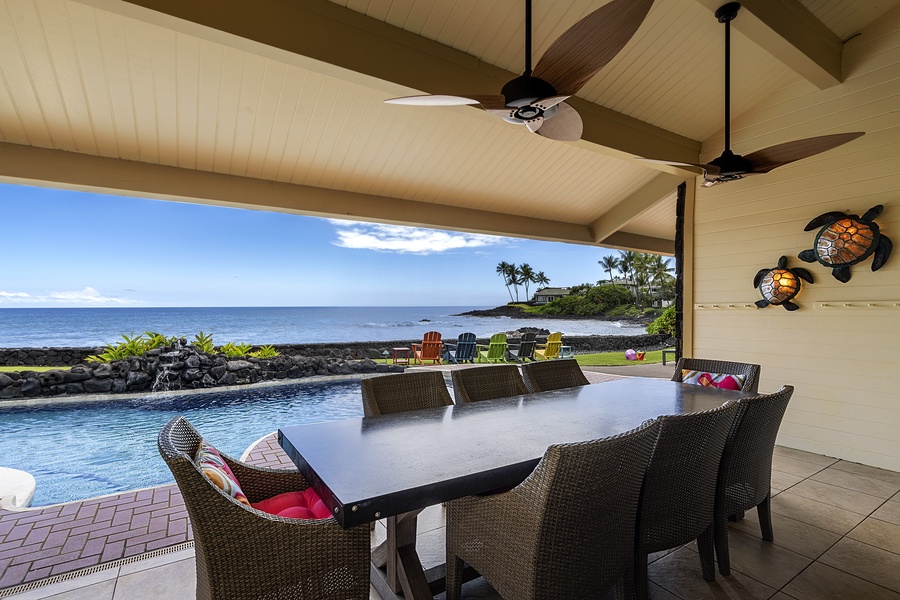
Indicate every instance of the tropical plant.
{"type": "Point", "coordinates": [664, 323]}
{"type": "Point", "coordinates": [204, 343]}
{"type": "Point", "coordinates": [541, 279]}
{"type": "Point", "coordinates": [609, 263]}
{"type": "Point", "coordinates": [231, 349]}
{"type": "Point", "coordinates": [526, 276]}
{"type": "Point", "coordinates": [503, 269]}
{"type": "Point", "coordinates": [265, 352]}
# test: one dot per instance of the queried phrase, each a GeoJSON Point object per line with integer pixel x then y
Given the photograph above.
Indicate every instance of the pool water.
{"type": "Point", "coordinates": [83, 450]}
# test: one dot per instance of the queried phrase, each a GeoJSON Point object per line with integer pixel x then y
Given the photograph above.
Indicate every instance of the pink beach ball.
{"type": "Point", "coordinates": [630, 354]}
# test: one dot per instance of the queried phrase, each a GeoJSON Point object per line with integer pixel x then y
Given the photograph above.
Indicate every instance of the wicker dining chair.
{"type": "Point", "coordinates": [749, 371]}
{"type": "Point", "coordinates": [567, 531]}
{"type": "Point", "coordinates": [388, 394]}
{"type": "Point", "coordinates": [243, 553]}
{"type": "Point", "coordinates": [486, 383]}
{"type": "Point", "coordinates": [678, 497]}
{"type": "Point", "coordinates": [745, 475]}
{"type": "Point", "coordinates": [553, 375]}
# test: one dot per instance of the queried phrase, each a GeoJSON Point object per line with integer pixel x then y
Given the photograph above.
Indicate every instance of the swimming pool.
{"type": "Point", "coordinates": [83, 450]}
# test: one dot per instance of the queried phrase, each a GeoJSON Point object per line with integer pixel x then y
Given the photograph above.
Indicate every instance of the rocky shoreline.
{"type": "Point", "coordinates": [514, 312]}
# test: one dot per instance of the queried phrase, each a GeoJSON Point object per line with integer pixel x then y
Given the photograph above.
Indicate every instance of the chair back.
{"type": "Point", "coordinates": [749, 371]}
{"type": "Point", "coordinates": [678, 498]}
{"type": "Point", "coordinates": [465, 348]}
{"type": "Point", "coordinates": [388, 394]}
{"type": "Point", "coordinates": [485, 383]}
{"type": "Point", "coordinates": [746, 470]}
{"type": "Point", "coordinates": [551, 348]}
{"type": "Point", "coordinates": [525, 350]}
{"type": "Point", "coordinates": [495, 351]}
{"type": "Point", "coordinates": [553, 375]}
{"type": "Point", "coordinates": [430, 348]}
{"type": "Point", "coordinates": [240, 551]}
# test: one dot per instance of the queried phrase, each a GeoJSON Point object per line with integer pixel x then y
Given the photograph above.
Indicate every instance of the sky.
{"type": "Point", "coordinates": [62, 248]}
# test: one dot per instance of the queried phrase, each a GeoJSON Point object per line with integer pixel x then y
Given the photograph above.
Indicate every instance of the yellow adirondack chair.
{"type": "Point", "coordinates": [495, 351]}
{"type": "Point", "coordinates": [551, 348]}
{"type": "Point", "coordinates": [430, 348]}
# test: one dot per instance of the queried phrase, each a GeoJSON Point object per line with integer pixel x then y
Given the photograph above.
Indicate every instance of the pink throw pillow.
{"type": "Point", "coordinates": [301, 504]}
{"type": "Point", "coordinates": [217, 470]}
{"type": "Point", "coordinates": [722, 381]}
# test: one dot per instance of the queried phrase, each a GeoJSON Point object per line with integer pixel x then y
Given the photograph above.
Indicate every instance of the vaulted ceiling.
{"type": "Point", "coordinates": [278, 105]}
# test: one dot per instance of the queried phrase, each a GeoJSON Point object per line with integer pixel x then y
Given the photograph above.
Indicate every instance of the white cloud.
{"type": "Point", "coordinates": [411, 240]}
{"type": "Point", "coordinates": [87, 296]}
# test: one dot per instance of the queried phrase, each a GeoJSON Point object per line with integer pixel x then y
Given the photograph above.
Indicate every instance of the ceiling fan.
{"type": "Point", "coordinates": [536, 98]}
{"type": "Point", "coordinates": [729, 166]}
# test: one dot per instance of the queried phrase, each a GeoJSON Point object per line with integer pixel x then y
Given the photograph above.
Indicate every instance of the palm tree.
{"type": "Point", "coordinates": [503, 271]}
{"type": "Point", "coordinates": [660, 271]}
{"type": "Point", "coordinates": [641, 268]}
{"type": "Point", "coordinates": [526, 274]}
{"type": "Point", "coordinates": [514, 278]}
{"type": "Point", "coordinates": [541, 279]}
{"type": "Point", "coordinates": [626, 265]}
{"type": "Point", "coordinates": [609, 262]}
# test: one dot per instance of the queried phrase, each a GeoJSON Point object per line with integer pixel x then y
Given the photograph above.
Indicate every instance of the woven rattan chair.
{"type": "Point", "coordinates": [678, 497]}
{"type": "Point", "coordinates": [745, 475]}
{"type": "Point", "coordinates": [388, 394]}
{"type": "Point", "coordinates": [487, 383]}
{"type": "Point", "coordinates": [242, 553]}
{"type": "Point", "coordinates": [750, 372]}
{"type": "Point", "coordinates": [553, 375]}
{"type": "Point", "coordinates": [567, 531]}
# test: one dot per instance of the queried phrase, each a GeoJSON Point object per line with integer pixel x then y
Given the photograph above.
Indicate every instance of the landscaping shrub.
{"type": "Point", "coordinates": [665, 323]}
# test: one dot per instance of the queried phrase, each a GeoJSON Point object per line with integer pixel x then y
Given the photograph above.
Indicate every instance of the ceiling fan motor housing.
{"type": "Point", "coordinates": [522, 91]}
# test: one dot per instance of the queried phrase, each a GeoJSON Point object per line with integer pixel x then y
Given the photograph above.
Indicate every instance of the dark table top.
{"type": "Point", "coordinates": [374, 467]}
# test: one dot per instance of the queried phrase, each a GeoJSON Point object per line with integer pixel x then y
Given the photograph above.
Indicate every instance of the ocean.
{"type": "Point", "coordinates": [89, 327]}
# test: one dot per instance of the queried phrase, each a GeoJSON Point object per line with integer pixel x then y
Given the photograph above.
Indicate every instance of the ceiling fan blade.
{"type": "Point", "coordinates": [773, 157]}
{"type": "Point", "coordinates": [491, 102]}
{"type": "Point", "coordinates": [590, 44]}
{"type": "Point", "coordinates": [433, 100]}
{"type": "Point", "coordinates": [545, 103]}
{"type": "Point", "coordinates": [534, 124]}
{"type": "Point", "coordinates": [565, 126]}
{"type": "Point", "coordinates": [710, 169]}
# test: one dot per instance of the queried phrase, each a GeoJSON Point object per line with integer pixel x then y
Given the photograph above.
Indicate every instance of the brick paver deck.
{"type": "Point", "coordinates": [53, 540]}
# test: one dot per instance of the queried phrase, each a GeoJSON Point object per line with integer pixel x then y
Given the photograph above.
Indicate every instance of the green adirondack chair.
{"type": "Point", "coordinates": [495, 351]}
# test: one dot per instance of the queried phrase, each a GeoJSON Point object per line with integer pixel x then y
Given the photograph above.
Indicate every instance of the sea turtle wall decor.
{"type": "Point", "coordinates": [778, 286]}
{"type": "Point", "coordinates": [845, 240]}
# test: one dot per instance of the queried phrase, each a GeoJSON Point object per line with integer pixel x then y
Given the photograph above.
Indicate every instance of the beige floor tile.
{"type": "Point", "coordinates": [889, 511]}
{"type": "Point", "coordinates": [867, 562]}
{"type": "Point", "coordinates": [840, 497]}
{"type": "Point", "coordinates": [802, 538]}
{"type": "Point", "coordinates": [764, 561]}
{"type": "Point", "coordinates": [793, 466]}
{"type": "Point", "coordinates": [431, 548]}
{"type": "Point", "coordinates": [873, 472]}
{"type": "Point", "coordinates": [879, 534]}
{"type": "Point", "coordinates": [782, 596]}
{"type": "Point", "coordinates": [816, 459]}
{"type": "Point", "coordinates": [658, 593]}
{"type": "Point", "coordinates": [97, 581]}
{"type": "Point", "coordinates": [858, 483]}
{"type": "Point", "coordinates": [821, 582]}
{"type": "Point", "coordinates": [818, 514]}
{"type": "Point", "coordinates": [157, 561]}
{"type": "Point", "coordinates": [98, 591]}
{"type": "Point", "coordinates": [679, 573]}
{"type": "Point", "coordinates": [432, 517]}
{"type": "Point", "coordinates": [175, 580]}
{"type": "Point", "coordinates": [782, 481]}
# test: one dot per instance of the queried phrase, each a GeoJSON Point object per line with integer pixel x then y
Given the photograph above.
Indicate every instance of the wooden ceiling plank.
{"type": "Point", "coordinates": [622, 240]}
{"type": "Point", "coordinates": [336, 36]}
{"type": "Point", "coordinates": [791, 33]}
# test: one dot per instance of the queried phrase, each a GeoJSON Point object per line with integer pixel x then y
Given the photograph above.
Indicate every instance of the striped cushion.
{"type": "Point", "coordinates": [724, 381]}
{"type": "Point", "coordinates": [216, 469]}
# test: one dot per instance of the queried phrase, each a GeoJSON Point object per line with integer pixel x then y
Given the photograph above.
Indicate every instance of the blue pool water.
{"type": "Point", "coordinates": [89, 449]}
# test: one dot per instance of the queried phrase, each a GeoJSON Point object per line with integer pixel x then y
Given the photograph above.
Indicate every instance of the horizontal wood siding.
{"type": "Point", "coordinates": [844, 363]}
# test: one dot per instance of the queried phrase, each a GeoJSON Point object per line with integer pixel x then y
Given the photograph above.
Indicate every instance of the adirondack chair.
{"type": "Point", "coordinates": [525, 350]}
{"type": "Point", "coordinates": [551, 348]}
{"type": "Point", "coordinates": [429, 349]}
{"type": "Point", "coordinates": [495, 351]}
{"type": "Point", "coordinates": [462, 351]}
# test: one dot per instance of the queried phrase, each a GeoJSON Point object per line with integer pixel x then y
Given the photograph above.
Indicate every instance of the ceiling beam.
{"type": "Point", "coordinates": [618, 216]}
{"type": "Point", "coordinates": [29, 165]}
{"type": "Point", "coordinates": [622, 240]}
{"type": "Point", "coordinates": [791, 33]}
{"type": "Point", "coordinates": [325, 37]}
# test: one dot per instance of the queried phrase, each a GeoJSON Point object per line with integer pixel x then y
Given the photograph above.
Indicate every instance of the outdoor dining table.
{"type": "Point", "coordinates": [393, 466]}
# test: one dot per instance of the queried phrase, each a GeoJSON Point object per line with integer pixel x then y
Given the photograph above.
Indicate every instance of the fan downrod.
{"type": "Point", "coordinates": [728, 12]}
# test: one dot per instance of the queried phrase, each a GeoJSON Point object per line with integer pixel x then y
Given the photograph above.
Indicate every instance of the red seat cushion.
{"type": "Point", "coordinates": [302, 504]}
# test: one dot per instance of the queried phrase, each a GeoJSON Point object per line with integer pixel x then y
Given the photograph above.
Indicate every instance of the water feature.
{"type": "Point", "coordinates": [82, 450]}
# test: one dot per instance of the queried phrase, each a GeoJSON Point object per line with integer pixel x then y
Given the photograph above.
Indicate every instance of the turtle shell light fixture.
{"type": "Point", "coordinates": [780, 285]}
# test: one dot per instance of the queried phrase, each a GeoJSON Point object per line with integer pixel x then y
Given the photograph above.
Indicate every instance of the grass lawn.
{"type": "Point", "coordinates": [8, 369]}
{"type": "Point", "coordinates": [616, 359]}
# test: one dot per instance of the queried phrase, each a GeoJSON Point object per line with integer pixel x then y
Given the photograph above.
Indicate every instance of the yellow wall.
{"type": "Point", "coordinates": [845, 361]}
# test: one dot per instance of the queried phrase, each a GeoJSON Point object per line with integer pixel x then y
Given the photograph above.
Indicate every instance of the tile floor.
{"type": "Point", "coordinates": [837, 536]}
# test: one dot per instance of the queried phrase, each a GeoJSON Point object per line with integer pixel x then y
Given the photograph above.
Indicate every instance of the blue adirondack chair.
{"type": "Point", "coordinates": [462, 351]}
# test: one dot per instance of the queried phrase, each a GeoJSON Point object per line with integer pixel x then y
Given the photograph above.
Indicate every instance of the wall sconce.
{"type": "Point", "coordinates": [845, 240]}
{"type": "Point", "coordinates": [780, 285]}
